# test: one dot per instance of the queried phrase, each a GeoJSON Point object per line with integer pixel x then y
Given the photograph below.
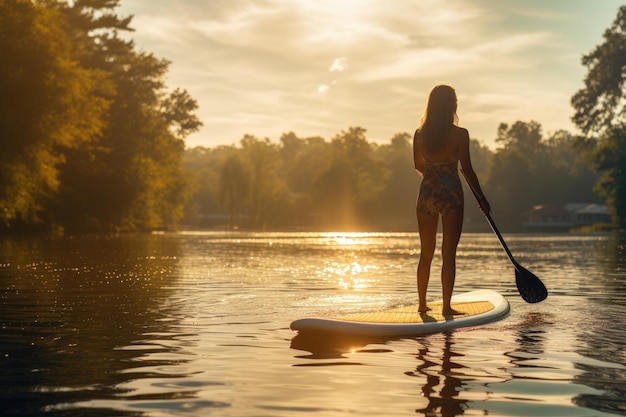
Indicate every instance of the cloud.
{"type": "Point", "coordinates": [323, 88]}
{"type": "Point", "coordinates": [339, 64]}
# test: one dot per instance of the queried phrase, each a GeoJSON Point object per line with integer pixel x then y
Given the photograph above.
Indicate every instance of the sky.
{"type": "Point", "coordinates": [319, 67]}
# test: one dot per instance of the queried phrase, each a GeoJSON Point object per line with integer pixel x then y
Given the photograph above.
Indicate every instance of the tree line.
{"type": "Point", "coordinates": [355, 184]}
{"type": "Point", "coordinates": [92, 140]}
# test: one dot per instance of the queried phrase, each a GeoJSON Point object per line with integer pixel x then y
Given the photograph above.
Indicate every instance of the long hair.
{"type": "Point", "coordinates": [438, 119]}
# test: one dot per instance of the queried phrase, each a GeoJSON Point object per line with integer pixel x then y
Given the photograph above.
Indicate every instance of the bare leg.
{"type": "Point", "coordinates": [452, 227]}
{"type": "Point", "coordinates": [427, 226]}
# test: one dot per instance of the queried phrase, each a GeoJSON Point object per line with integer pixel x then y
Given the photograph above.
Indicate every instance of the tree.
{"type": "Point", "coordinates": [309, 162]}
{"type": "Point", "coordinates": [131, 178]}
{"type": "Point", "coordinates": [268, 192]}
{"type": "Point", "coordinates": [482, 158]}
{"type": "Point", "coordinates": [234, 188]}
{"type": "Point", "coordinates": [203, 168]}
{"type": "Point", "coordinates": [510, 187]}
{"type": "Point", "coordinates": [49, 104]}
{"type": "Point", "coordinates": [600, 111]}
{"type": "Point", "coordinates": [397, 200]}
{"type": "Point", "coordinates": [523, 136]}
{"type": "Point", "coordinates": [609, 159]}
{"type": "Point", "coordinates": [511, 182]}
{"type": "Point", "coordinates": [335, 194]}
{"type": "Point", "coordinates": [563, 175]}
{"type": "Point", "coordinates": [363, 176]}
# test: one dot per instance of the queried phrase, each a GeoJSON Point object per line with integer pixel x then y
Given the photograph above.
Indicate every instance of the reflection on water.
{"type": "Point", "coordinates": [71, 307]}
{"type": "Point", "coordinates": [197, 324]}
{"type": "Point", "coordinates": [442, 386]}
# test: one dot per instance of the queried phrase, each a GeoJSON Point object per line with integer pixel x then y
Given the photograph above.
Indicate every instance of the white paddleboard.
{"type": "Point", "coordinates": [478, 307]}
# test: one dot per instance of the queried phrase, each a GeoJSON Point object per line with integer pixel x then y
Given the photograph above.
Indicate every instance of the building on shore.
{"type": "Point", "coordinates": [553, 218]}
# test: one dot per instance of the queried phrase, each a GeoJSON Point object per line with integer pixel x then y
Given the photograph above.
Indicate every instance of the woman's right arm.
{"type": "Point", "coordinates": [470, 174]}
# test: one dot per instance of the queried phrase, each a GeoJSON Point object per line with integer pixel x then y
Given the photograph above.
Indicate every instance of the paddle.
{"type": "Point", "coordinates": [528, 284]}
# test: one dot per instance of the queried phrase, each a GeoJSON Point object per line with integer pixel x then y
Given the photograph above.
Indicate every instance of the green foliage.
{"type": "Point", "coordinates": [203, 170]}
{"type": "Point", "coordinates": [350, 183]}
{"type": "Point", "coordinates": [609, 158]}
{"type": "Point", "coordinates": [509, 186]}
{"type": "Point", "coordinates": [47, 106]}
{"type": "Point", "coordinates": [396, 200]}
{"type": "Point", "coordinates": [350, 187]}
{"type": "Point", "coordinates": [531, 170]}
{"type": "Point", "coordinates": [91, 138]}
{"type": "Point", "coordinates": [304, 160]}
{"type": "Point", "coordinates": [347, 183]}
{"type": "Point", "coordinates": [267, 190]}
{"type": "Point", "coordinates": [522, 136]}
{"type": "Point", "coordinates": [600, 105]}
{"type": "Point", "coordinates": [600, 111]}
{"type": "Point", "coordinates": [234, 187]}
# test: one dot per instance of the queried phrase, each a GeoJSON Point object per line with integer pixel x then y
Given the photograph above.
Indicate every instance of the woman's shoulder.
{"type": "Point", "coordinates": [460, 131]}
{"type": "Point", "coordinates": [460, 134]}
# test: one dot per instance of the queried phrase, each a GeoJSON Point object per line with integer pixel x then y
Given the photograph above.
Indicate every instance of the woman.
{"type": "Point", "coordinates": [438, 146]}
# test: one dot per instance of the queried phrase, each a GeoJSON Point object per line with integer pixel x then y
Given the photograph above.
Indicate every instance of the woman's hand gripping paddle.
{"type": "Point", "coordinates": [528, 284]}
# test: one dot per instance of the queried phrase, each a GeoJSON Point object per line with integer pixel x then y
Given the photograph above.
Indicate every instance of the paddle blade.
{"type": "Point", "coordinates": [529, 285]}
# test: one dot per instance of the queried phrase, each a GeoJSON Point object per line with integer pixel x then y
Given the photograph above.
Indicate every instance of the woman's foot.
{"type": "Point", "coordinates": [423, 309]}
{"type": "Point", "coordinates": [449, 311]}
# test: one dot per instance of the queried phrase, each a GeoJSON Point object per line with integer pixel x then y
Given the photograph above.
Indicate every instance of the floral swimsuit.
{"type": "Point", "coordinates": [441, 191]}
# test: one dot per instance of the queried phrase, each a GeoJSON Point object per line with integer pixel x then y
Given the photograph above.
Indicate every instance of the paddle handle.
{"type": "Point", "coordinates": [493, 226]}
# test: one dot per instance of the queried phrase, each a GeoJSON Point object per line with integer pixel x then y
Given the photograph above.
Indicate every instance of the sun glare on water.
{"type": "Point", "coordinates": [353, 238]}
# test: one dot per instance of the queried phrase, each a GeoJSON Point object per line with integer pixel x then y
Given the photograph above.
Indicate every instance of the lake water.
{"type": "Point", "coordinates": [197, 324]}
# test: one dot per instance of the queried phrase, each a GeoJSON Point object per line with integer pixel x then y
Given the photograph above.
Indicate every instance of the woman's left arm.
{"type": "Point", "coordinates": [418, 157]}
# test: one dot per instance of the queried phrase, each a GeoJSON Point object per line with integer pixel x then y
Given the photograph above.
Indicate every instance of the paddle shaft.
{"type": "Point", "coordinates": [504, 246]}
